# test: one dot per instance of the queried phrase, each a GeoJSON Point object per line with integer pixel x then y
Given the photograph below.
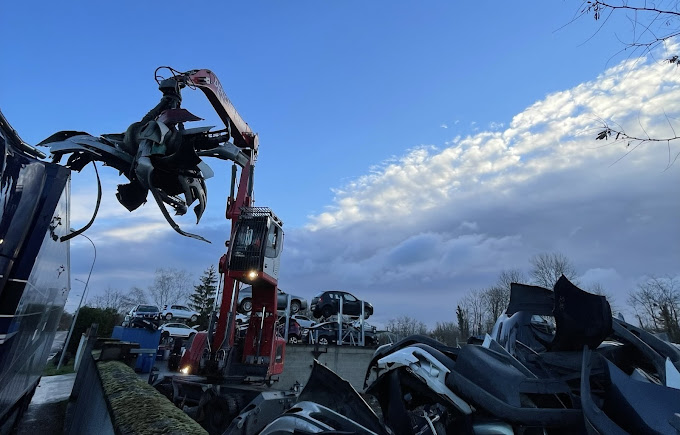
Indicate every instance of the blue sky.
{"type": "Point", "coordinates": [385, 128]}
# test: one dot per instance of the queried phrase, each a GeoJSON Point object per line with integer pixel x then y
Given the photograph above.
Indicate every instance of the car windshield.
{"type": "Point", "coordinates": [147, 308]}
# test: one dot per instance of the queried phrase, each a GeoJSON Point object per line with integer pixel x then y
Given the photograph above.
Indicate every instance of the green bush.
{"type": "Point", "coordinates": [106, 319]}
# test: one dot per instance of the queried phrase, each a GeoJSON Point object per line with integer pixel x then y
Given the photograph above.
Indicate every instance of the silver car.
{"type": "Point", "coordinates": [179, 312]}
{"type": "Point", "coordinates": [245, 301]}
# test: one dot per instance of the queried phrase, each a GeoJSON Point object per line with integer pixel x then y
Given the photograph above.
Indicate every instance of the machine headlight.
{"type": "Point", "coordinates": [185, 370]}
{"type": "Point", "coordinates": [252, 274]}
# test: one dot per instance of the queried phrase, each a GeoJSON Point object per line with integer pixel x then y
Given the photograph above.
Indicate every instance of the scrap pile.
{"type": "Point", "coordinates": [586, 372]}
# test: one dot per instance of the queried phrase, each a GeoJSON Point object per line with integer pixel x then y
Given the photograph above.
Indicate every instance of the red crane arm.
{"type": "Point", "coordinates": [207, 81]}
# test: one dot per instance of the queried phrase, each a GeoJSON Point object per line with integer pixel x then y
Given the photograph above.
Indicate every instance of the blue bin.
{"type": "Point", "coordinates": [145, 363]}
{"type": "Point", "coordinates": [146, 339]}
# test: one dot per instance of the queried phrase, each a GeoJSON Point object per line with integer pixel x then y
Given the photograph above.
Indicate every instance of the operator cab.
{"type": "Point", "coordinates": [256, 247]}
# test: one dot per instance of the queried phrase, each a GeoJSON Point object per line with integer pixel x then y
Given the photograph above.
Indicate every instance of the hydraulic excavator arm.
{"type": "Point", "coordinates": [159, 155]}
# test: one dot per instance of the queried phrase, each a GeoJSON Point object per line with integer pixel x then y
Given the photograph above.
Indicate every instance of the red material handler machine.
{"type": "Point", "coordinates": [220, 373]}
{"type": "Point", "coordinates": [253, 257]}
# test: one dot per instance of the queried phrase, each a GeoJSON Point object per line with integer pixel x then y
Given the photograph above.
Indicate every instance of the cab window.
{"type": "Point", "coordinates": [273, 245]}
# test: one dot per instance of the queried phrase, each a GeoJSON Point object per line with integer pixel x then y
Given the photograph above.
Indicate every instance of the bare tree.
{"type": "Point", "coordinates": [656, 304]}
{"type": "Point", "coordinates": [495, 301]}
{"type": "Point", "coordinates": [497, 297]}
{"type": "Point", "coordinates": [509, 276]}
{"type": "Point", "coordinates": [119, 300]}
{"type": "Point", "coordinates": [109, 298]}
{"type": "Point", "coordinates": [135, 296]}
{"type": "Point", "coordinates": [170, 286]}
{"type": "Point", "coordinates": [474, 305]}
{"type": "Point", "coordinates": [643, 301]}
{"type": "Point", "coordinates": [404, 325]}
{"type": "Point", "coordinates": [547, 268]}
{"type": "Point", "coordinates": [598, 289]}
{"type": "Point", "coordinates": [652, 24]}
{"type": "Point", "coordinates": [447, 333]}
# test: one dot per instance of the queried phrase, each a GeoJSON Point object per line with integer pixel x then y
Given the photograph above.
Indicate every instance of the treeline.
{"type": "Point", "coordinates": [170, 287]}
{"type": "Point", "coordinates": [655, 302]}
{"type": "Point", "coordinates": [478, 310]}
{"type": "Point", "coordinates": [444, 332]}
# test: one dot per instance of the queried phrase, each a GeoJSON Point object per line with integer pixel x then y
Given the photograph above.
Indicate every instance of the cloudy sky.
{"type": "Point", "coordinates": [413, 152]}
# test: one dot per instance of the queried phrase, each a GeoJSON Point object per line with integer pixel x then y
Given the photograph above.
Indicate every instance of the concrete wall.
{"type": "Point", "coordinates": [349, 362]}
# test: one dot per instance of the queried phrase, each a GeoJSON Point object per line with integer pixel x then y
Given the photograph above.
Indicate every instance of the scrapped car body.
{"type": "Point", "coordinates": [245, 301]}
{"type": "Point", "coordinates": [556, 362]}
{"type": "Point", "coordinates": [177, 330]}
{"type": "Point", "coordinates": [242, 319]}
{"type": "Point", "coordinates": [143, 316]}
{"type": "Point", "coordinates": [304, 321]}
{"type": "Point", "coordinates": [295, 332]}
{"type": "Point", "coordinates": [327, 304]}
{"type": "Point", "coordinates": [327, 333]}
{"type": "Point", "coordinates": [590, 373]}
{"type": "Point", "coordinates": [145, 312]}
{"type": "Point", "coordinates": [327, 404]}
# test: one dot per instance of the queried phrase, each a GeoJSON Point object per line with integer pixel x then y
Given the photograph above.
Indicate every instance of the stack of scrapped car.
{"type": "Point", "coordinates": [327, 333]}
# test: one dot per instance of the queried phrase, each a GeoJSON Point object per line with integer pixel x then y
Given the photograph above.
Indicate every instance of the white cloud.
{"type": "Point", "coordinates": [608, 278]}
{"type": "Point", "coordinates": [550, 135]}
{"type": "Point", "coordinates": [444, 126]}
{"type": "Point", "coordinates": [84, 199]}
{"type": "Point", "coordinates": [446, 220]}
{"type": "Point", "coordinates": [138, 233]}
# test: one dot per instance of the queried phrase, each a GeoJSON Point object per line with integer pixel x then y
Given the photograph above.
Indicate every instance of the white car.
{"type": "Point", "coordinates": [304, 321]}
{"type": "Point", "coordinates": [177, 330]}
{"type": "Point", "coordinates": [179, 312]}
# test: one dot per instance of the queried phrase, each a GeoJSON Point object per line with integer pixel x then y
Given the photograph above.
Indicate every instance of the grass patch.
{"type": "Point", "coordinates": [51, 369]}
{"type": "Point", "coordinates": [137, 408]}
